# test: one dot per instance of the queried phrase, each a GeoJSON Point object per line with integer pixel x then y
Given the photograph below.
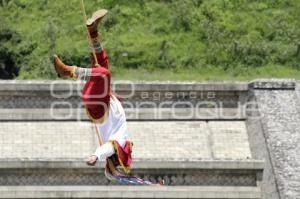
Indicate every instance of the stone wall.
{"type": "Point", "coordinates": [276, 136]}
{"type": "Point", "coordinates": [239, 122]}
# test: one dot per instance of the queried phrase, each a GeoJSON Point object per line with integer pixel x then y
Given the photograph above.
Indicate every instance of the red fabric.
{"type": "Point", "coordinates": [124, 157]}
{"type": "Point", "coordinates": [102, 59]}
{"type": "Point", "coordinates": [96, 92]}
{"type": "Point", "coordinates": [93, 34]}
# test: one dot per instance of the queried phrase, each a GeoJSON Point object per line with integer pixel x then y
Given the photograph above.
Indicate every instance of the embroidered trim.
{"type": "Point", "coordinates": [115, 145]}
{"type": "Point", "coordinates": [73, 72]}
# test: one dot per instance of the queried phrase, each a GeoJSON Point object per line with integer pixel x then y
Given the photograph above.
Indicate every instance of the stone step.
{"type": "Point", "coordinates": [175, 173]}
{"type": "Point", "coordinates": [250, 164]}
{"type": "Point", "coordinates": [167, 140]}
{"type": "Point", "coordinates": [209, 192]}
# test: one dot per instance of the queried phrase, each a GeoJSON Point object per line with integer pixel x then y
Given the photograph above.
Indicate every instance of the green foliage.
{"type": "Point", "coordinates": [226, 38]}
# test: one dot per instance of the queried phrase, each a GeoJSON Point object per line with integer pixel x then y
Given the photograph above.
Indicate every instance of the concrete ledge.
{"type": "Point", "coordinates": [273, 84]}
{"type": "Point", "coordinates": [131, 114]}
{"type": "Point", "coordinates": [65, 94]}
{"type": "Point", "coordinates": [63, 85]}
{"type": "Point", "coordinates": [129, 192]}
{"type": "Point", "coordinates": [138, 164]}
{"type": "Point", "coordinates": [174, 173]}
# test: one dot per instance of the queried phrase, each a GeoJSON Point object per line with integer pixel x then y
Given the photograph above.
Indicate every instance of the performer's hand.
{"type": "Point", "coordinates": [92, 160]}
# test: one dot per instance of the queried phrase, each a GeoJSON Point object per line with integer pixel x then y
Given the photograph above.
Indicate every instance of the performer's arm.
{"type": "Point", "coordinates": [107, 149]}
{"type": "Point", "coordinates": [104, 151]}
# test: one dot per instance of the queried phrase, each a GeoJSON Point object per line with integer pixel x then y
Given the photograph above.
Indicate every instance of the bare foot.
{"type": "Point", "coordinates": [92, 160]}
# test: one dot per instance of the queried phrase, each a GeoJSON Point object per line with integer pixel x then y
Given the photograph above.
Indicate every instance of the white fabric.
{"type": "Point", "coordinates": [106, 150]}
{"type": "Point", "coordinates": [114, 128]}
{"type": "Point", "coordinates": [83, 73]}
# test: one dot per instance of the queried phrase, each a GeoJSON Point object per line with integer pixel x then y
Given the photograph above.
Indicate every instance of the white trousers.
{"type": "Point", "coordinates": [114, 128]}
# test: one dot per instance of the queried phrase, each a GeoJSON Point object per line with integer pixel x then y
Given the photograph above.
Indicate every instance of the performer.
{"type": "Point", "coordinates": [103, 107]}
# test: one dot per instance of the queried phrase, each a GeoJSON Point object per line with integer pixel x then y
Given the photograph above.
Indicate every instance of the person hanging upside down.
{"type": "Point", "coordinates": [103, 107]}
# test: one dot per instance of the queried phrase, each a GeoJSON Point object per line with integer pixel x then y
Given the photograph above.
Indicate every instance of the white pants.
{"type": "Point", "coordinates": [114, 128]}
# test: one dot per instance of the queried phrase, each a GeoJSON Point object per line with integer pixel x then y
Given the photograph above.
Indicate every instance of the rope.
{"type": "Point", "coordinates": [98, 135]}
{"type": "Point", "coordinates": [96, 62]}
{"type": "Point", "coordinates": [95, 58]}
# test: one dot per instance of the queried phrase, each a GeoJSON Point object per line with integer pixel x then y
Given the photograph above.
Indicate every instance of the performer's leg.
{"type": "Point", "coordinates": [101, 56]}
{"type": "Point", "coordinates": [96, 46]}
{"type": "Point", "coordinates": [92, 26]}
{"type": "Point", "coordinates": [83, 73]}
{"type": "Point", "coordinates": [64, 70]}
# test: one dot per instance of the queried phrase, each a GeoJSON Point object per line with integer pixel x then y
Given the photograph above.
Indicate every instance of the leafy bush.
{"type": "Point", "coordinates": [237, 37]}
